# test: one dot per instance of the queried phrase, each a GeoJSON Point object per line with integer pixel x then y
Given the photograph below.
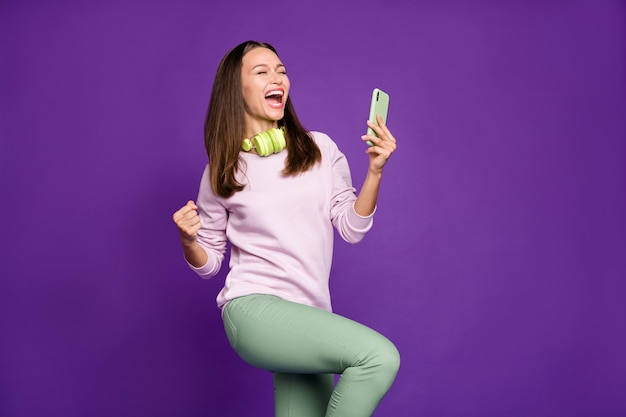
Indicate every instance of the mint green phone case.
{"type": "Point", "coordinates": [379, 105]}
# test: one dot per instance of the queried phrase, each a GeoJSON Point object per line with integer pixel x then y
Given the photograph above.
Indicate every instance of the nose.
{"type": "Point", "coordinates": [277, 79]}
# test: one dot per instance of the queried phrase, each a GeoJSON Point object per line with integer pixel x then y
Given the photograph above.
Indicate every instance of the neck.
{"type": "Point", "coordinates": [257, 126]}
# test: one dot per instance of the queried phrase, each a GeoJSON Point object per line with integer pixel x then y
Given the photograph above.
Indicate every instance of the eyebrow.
{"type": "Point", "coordinates": [266, 65]}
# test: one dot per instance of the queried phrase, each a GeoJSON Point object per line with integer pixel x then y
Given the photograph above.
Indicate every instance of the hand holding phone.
{"type": "Point", "coordinates": [378, 105]}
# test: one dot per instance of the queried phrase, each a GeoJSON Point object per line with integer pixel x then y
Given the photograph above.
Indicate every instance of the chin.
{"type": "Point", "coordinates": [276, 116]}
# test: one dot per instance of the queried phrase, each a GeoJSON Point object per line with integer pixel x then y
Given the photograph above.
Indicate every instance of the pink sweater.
{"type": "Point", "coordinates": [280, 228]}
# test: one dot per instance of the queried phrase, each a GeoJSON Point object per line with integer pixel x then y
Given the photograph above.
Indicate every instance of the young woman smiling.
{"type": "Point", "coordinates": [276, 200]}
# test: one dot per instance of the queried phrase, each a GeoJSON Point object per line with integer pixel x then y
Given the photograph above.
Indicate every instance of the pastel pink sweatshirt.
{"type": "Point", "coordinates": [280, 227]}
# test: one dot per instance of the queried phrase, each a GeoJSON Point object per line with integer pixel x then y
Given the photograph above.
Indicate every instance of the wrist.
{"type": "Point", "coordinates": [188, 241]}
{"type": "Point", "coordinates": [375, 173]}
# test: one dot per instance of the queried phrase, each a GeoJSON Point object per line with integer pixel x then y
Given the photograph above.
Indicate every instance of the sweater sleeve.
{"type": "Point", "coordinates": [212, 234]}
{"type": "Point", "coordinates": [351, 226]}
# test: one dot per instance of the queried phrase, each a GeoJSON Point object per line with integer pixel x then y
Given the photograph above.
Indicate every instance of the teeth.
{"type": "Point", "coordinates": [274, 93]}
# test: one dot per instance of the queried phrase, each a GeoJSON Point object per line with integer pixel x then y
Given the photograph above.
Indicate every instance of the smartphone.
{"type": "Point", "coordinates": [379, 105]}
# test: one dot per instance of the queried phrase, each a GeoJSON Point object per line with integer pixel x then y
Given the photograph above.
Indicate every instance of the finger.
{"type": "Point", "coordinates": [380, 132]}
{"type": "Point", "coordinates": [380, 145]}
{"type": "Point", "coordinates": [184, 212]}
{"type": "Point", "coordinates": [190, 229]}
{"type": "Point", "coordinates": [194, 221]}
{"type": "Point", "coordinates": [180, 214]}
{"type": "Point", "coordinates": [373, 139]}
{"type": "Point", "coordinates": [188, 219]}
{"type": "Point", "coordinates": [384, 129]}
{"type": "Point", "coordinates": [196, 227]}
{"type": "Point", "coordinates": [191, 214]}
{"type": "Point", "coordinates": [375, 127]}
{"type": "Point", "coordinates": [379, 152]}
{"type": "Point", "coordinates": [383, 147]}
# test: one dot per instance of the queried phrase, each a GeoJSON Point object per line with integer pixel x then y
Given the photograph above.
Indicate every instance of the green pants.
{"type": "Point", "coordinates": [305, 347]}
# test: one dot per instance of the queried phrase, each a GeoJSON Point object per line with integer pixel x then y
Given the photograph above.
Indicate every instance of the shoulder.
{"type": "Point", "coordinates": [331, 154]}
{"type": "Point", "coordinates": [325, 143]}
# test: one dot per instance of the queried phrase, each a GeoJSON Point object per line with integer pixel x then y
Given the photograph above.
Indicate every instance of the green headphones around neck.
{"type": "Point", "coordinates": [266, 143]}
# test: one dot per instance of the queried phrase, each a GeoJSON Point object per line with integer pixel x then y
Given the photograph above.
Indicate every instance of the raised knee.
{"type": "Point", "coordinates": [383, 365]}
{"type": "Point", "coordinates": [390, 360]}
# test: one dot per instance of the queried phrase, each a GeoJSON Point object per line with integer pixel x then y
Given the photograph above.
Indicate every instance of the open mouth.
{"type": "Point", "coordinates": [274, 98]}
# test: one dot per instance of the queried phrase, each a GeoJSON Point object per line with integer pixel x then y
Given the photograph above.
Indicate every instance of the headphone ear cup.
{"type": "Point", "coordinates": [263, 144]}
{"type": "Point", "coordinates": [278, 139]}
{"type": "Point", "coordinates": [266, 143]}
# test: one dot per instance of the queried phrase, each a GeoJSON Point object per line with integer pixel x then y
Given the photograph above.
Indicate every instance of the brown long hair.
{"type": "Point", "coordinates": [224, 127]}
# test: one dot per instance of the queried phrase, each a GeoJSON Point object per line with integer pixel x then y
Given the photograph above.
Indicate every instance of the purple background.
{"type": "Point", "coordinates": [497, 261]}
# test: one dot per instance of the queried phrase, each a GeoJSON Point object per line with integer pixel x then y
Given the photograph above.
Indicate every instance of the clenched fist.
{"type": "Point", "coordinates": [188, 222]}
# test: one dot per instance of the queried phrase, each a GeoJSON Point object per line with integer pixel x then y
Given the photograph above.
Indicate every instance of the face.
{"type": "Point", "coordinates": [265, 90]}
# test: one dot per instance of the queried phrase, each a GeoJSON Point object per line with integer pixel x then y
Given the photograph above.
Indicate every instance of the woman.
{"type": "Point", "coordinates": [277, 207]}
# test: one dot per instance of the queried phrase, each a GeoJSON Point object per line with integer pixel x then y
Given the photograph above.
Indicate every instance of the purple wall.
{"type": "Point", "coordinates": [497, 261]}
